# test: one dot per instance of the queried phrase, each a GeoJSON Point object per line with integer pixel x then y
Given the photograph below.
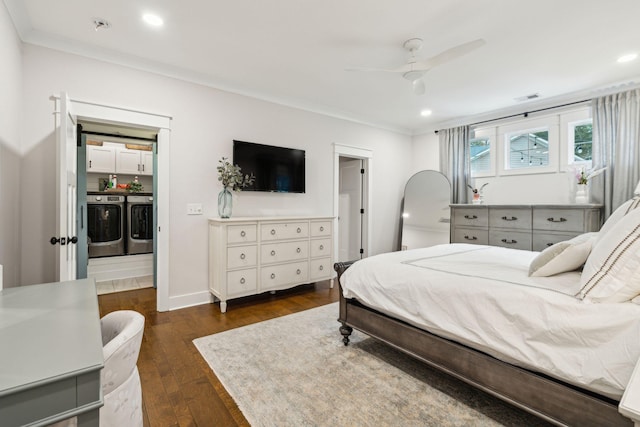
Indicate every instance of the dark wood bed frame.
{"type": "Point", "coordinates": [547, 398]}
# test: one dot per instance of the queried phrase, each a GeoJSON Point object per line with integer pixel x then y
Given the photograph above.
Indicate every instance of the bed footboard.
{"type": "Point", "coordinates": [552, 400]}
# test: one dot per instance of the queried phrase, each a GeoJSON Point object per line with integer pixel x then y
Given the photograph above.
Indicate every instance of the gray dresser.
{"type": "Point", "coordinates": [530, 227]}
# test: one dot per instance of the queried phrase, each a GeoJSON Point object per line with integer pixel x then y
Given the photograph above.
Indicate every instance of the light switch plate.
{"type": "Point", "coordinates": [194, 208]}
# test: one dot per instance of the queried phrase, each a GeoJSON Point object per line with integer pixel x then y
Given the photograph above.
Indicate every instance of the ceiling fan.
{"type": "Point", "coordinates": [414, 70]}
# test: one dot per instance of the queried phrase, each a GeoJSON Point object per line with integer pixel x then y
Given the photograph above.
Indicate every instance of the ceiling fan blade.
{"type": "Point", "coordinates": [418, 87]}
{"type": "Point", "coordinates": [402, 69]}
{"type": "Point", "coordinates": [449, 54]}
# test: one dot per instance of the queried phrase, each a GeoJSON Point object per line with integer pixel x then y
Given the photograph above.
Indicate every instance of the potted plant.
{"type": "Point", "coordinates": [582, 179]}
{"type": "Point", "coordinates": [232, 179]}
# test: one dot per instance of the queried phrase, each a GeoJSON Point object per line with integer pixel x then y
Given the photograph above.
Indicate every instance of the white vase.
{"type": "Point", "coordinates": [582, 195]}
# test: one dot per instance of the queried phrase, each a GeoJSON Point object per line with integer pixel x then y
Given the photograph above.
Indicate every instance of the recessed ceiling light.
{"type": "Point", "coordinates": [628, 58]}
{"type": "Point", "coordinates": [152, 19]}
{"type": "Point", "coordinates": [425, 113]}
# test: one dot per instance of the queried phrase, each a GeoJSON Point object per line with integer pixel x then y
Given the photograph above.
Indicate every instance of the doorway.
{"type": "Point", "coordinates": [160, 124]}
{"type": "Point", "coordinates": [115, 206]}
{"type": "Point", "coordinates": [352, 202]}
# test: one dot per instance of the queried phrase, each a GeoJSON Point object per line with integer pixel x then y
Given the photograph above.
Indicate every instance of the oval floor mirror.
{"type": "Point", "coordinates": [426, 213]}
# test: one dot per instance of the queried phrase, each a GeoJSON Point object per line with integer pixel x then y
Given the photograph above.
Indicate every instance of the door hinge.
{"type": "Point", "coordinates": [79, 135]}
{"type": "Point", "coordinates": [362, 171]}
{"type": "Point", "coordinates": [361, 251]}
{"type": "Point", "coordinates": [362, 211]}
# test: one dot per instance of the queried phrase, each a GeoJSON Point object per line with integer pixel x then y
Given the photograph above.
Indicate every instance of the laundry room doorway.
{"type": "Point", "coordinates": [116, 205]}
{"type": "Point", "coordinates": [93, 116]}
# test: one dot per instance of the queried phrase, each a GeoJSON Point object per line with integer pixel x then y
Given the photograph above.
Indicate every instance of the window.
{"type": "Point", "coordinates": [480, 156]}
{"type": "Point", "coordinates": [527, 149]}
{"type": "Point", "coordinates": [580, 142]}
{"type": "Point", "coordinates": [482, 152]}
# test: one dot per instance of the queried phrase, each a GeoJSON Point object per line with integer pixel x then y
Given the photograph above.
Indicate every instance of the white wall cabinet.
{"type": "Point", "coordinates": [101, 158]}
{"type": "Point", "coordinates": [146, 160]}
{"type": "Point", "coordinates": [134, 162]}
{"type": "Point", "coordinates": [248, 256]}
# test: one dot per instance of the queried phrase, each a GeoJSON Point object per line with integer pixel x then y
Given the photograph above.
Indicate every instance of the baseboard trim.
{"type": "Point", "coordinates": [189, 300]}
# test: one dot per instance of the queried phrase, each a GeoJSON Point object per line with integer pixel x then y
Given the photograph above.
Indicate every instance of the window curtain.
{"type": "Point", "coordinates": [454, 160]}
{"type": "Point", "coordinates": [616, 139]}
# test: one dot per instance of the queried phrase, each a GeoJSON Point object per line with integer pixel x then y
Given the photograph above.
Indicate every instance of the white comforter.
{"type": "Point", "coordinates": [482, 297]}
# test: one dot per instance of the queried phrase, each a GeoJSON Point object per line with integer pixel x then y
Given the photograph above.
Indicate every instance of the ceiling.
{"type": "Point", "coordinates": [295, 52]}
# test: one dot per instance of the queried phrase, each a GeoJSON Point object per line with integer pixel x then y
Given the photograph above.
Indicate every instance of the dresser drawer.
{"type": "Point", "coordinates": [320, 269]}
{"type": "Point", "coordinates": [241, 256]}
{"type": "Point", "coordinates": [245, 233]}
{"type": "Point", "coordinates": [242, 282]}
{"type": "Point", "coordinates": [510, 239]}
{"type": "Point", "coordinates": [475, 236]}
{"type": "Point", "coordinates": [284, 231]}
{"type": "Point", "coordinates": [320, 228]}
{"type": "Point", "coordinates": [278, 276]}
{"type": "Point", "coordinates": [320, 247]}
{"type": "Point", "coordinates": [513, 218]}
{"type": "Point", "coordinates": [282, 252]}
{"type": "Point", "coordinates": [542, 241]}
{"type": "Point", "coordinates": [471, 217]}
{"type": "Point", "coordinates": [559, 219]}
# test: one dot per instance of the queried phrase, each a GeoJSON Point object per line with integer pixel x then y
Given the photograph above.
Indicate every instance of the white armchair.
{"type": "Point", "coordinates": [121, 339]}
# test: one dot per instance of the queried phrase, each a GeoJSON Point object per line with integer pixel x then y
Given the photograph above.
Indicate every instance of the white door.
{"type": "Point", "coordinates": [350, 219]}
{"type": "Point", "coordinates": [67, 197]}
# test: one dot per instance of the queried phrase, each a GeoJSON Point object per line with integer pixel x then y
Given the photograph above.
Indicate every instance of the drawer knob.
{"type": "Point", "coordinates": [513, 218]}
{"type": "Point", "coordinates": [299, 230]}
{"type": "Point", "coordinates": [556, 220]}
{"type": "Point", "coordinates": [242, 256]}
{"type": "Point", "coordinates": [470, 238]}
{"type": "Point", "coordinates": [243, 233]}
{"type": "Point", "coordinates": [321, 267]}
{"type": "Point", "coordinates": [298, 250]}
{"type": "Point", "coordinates": [242, 281]}
{"type": "Point", "coordinates": [321, 228]}
{"type": "Point", "coordinates": [471, 217]}
{"type": "Point", "coordinates": [298, 271]}
{"type": "Point", "coordinates": [509, 242]}
{"type": "Point", "coordinates": [273, 253]}
{"type": "Point", "coordinates": [321, 247]}
{"type": "Point", "coordinates": [273, 275]}
{"type": "Point", "coordinates": [273, 231]}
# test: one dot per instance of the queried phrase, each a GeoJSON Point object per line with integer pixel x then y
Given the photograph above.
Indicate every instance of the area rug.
{"type": "Point", "coordinates": [295, 371]}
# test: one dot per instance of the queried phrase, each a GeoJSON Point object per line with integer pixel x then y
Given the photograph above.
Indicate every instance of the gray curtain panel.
{"type": "Point", "coordinates": [616, 145]}
{"type": "Point", "coordinates": [454, 161]}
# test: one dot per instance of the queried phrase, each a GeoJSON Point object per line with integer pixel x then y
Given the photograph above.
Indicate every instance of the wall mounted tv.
{"type": "Point", "coordinates": [276, 169]}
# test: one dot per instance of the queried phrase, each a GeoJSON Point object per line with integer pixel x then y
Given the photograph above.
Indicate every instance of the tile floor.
{"type": "Point", "coordinates": [110, 286]}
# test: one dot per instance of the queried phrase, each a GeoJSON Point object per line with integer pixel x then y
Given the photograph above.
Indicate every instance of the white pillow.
{"type": "Point", "coordinates": [618, 214]}
{"type": "Point", "coordinates": [612, 271]}
{"type": "Point", "coordinates": [563, 256]}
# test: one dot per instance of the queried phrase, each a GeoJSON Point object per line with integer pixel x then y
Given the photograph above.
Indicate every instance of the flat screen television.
{"type": "Point", "coordinates": [276, 169]}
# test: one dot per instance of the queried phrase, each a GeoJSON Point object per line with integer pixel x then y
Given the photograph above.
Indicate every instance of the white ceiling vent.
{"type": "Point", "coordinates": [527, 97]}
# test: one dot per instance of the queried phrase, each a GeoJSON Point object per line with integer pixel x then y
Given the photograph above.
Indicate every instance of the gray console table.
{"type": "Point", "coordinates": [530, 227]}
{"type": "Point", "coordinates": [50, 354]}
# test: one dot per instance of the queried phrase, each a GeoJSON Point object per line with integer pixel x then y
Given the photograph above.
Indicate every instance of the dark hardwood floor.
{"type": "Point", "coordinates": [178, 387]}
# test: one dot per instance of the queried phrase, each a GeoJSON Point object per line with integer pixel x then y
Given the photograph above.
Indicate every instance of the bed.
{"type": "Point", "coordinates": [536, 329]}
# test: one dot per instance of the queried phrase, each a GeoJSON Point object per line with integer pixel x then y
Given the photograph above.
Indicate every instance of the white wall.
{"type": "Point", "coordinates": [10, 126]}
{"type": "Point", "coordinates": [426, 152]}
{"type": "Point", "coordinates": [205, 121]}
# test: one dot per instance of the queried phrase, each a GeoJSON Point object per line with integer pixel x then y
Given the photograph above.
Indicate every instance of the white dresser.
{"type": "Point", "coordinates": [248, 256]}
{"type": "Point", "coordinates": [530, 227]}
